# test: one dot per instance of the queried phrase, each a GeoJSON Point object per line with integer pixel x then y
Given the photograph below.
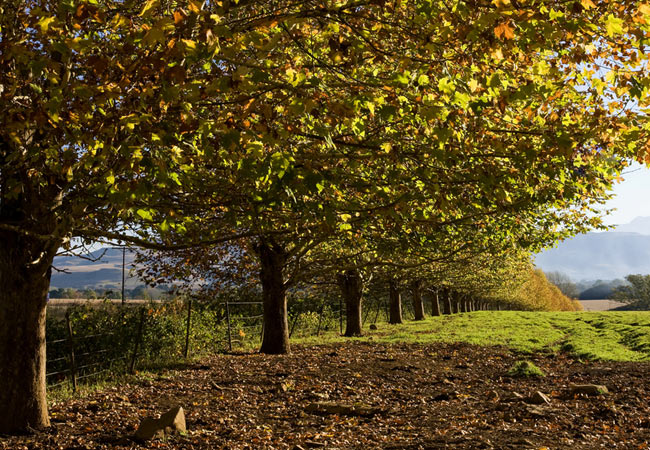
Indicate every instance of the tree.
{"type": "Point", "coordinates": [312, 142]}
{"type": "Point", "coordinates": [636, 293]}
{"type": "Point", "coordinates": [564, 283]}
{"type": "Point", "coordinates": [93, 137]}
{"type": "Point", "coordinates": [175, 123]}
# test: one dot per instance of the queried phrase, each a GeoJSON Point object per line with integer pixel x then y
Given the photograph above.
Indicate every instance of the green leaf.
{"type": "Point", "coordinates": [446, 85]}
{"type": "Point", "coordinates": [145, 214]}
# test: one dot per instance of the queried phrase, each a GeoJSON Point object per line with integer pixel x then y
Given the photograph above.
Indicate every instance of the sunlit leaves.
{"type": "Point", "coordinates": [614, 25]}
{"type": "Point", "coordinates": [504, 30]}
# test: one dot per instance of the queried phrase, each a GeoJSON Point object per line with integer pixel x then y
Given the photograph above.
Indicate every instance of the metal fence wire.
{"type": "Point", "coordinates": [102, 340]}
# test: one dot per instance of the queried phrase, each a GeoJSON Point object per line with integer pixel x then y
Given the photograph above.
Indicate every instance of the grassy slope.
{"type": "Point", "coordinates": [617, 336]}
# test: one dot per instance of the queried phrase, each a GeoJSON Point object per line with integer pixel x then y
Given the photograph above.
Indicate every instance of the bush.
{"type": "Point", "coordinates": [105, 335]}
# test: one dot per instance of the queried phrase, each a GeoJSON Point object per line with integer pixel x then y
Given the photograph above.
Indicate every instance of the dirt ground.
{"type": "Point", "coordinates": [419, 397]}
{"type": "Point", "coordinates": [600, 305]}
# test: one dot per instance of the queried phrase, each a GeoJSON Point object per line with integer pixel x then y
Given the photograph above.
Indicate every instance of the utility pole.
{"type": "Point", "coordinates": [123, 270]}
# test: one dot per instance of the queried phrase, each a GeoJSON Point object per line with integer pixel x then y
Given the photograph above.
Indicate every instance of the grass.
{"type": "Point", "coordinates": [612, 336]}
{"type": "Point", "coordinates": [525, 369]}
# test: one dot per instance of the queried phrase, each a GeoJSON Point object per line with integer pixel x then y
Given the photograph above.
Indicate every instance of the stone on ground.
{"type": "Point", "coordinates": [173, 421]}
{"type": "Point", "coordinates": [538, 398]}
{"type": "Point", "coordinates": [588, 389]}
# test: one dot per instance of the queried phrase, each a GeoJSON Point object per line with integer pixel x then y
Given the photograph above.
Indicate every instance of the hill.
{"type": "Point", "coordinates": [594, 256]}
{"type": "Point", "coordinates": [101, 269]}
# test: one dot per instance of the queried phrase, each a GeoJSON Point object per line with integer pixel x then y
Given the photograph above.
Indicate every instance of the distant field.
{"type": "Point", "coordinates": [56, 307]}
{"type": "Point", "coordinates": [600, 305]}
{"type": "Point", "coordinates": [614, 335]}
{"type": "Point", "coordinates": [81, 301]}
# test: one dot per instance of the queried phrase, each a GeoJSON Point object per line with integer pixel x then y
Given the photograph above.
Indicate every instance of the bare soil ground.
{"type": "Point", "coordinates": [428, 397]}
{"type": "Point", "coordinates": [600, 305]}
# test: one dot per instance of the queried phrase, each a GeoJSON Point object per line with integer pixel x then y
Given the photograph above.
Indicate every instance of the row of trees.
{"type": "Point", "coordinates": [309, 137]}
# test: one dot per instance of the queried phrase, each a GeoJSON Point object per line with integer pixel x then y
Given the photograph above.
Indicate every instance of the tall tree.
{"type": "Point", "coordinates": [286, 120]}
{"type": "Point", "coordinates": [636, 292]}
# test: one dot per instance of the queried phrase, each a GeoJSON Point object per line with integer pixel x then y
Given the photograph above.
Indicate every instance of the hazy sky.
{"type": "Point", "coordinates": [632, 196]}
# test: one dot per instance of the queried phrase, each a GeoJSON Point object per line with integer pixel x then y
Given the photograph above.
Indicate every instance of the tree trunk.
{"type": "Point", "coordinates": [418, 306]}
{"type": "Point", "coordinates": [395, 303]}
{"type": "Point", "coordinates": [351, 286]}
{"type": "Point", "coordinates": [446, 301]}
{"type": "Point", "coordinates": [454, 302]}
{"type": "Point", "coordinates": [435, 305]}
{"type": "Point", "coordinates": [25, 268]}
{"type": "Point", "coordinates": [275, 338]}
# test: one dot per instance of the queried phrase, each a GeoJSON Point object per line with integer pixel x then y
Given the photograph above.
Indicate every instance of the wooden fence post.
{"type": "Point", "coordinates": [187, 333]}
{"type": "Point", "coordinates": [340, 315]}
{"type": "Point", "coordinates": [229, 329]}
{"type": "Point", "coordinates": [320, 318]}
{"type": "Point", "coordinates": [293, 325]}
{"type": "Point", "coordinates": [138, 338]}
{"type": "Point", "coordinates": [73, 367]}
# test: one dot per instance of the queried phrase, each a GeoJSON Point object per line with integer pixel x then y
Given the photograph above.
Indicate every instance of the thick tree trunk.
{"type": "Point", "coordinates": [351, 286]}
{"type": "Point", "coordinates": [275, 338]}
{"type": "Point", "coordinates": [418, 306]}
{"type": "Point", "coordinates": [446, 301]}
{"type": "Point", "coordinates": [395, 302]}
{"type": "Point", "coordinates": [435, 304]}
{"type": "Point", "coordinates": [25, 268]}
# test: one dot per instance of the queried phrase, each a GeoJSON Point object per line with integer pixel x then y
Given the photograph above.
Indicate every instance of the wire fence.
{"type": "Point", "coordinates": [99, 340]}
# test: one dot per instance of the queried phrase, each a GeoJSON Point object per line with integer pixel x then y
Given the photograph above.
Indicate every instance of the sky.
{"type": "Point", "coordinates": [632, 196]}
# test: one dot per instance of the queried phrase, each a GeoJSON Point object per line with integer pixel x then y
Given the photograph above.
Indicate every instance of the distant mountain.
{"type": "Point", "coordinates": [604, 256]}
{"type": "Point", "coordinates": [105, 272]}
{"type": "Point", "coordinates": [639, 225]}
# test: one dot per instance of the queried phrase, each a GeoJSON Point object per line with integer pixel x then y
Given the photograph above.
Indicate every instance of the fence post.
{"type": "Point", "coordinates": [73, 367]}
{"type": "Point", "coordinates": [189, 324]}
{"type": "Point", "coordinates": [340, 315]}
{"type": "Point", "coordinates": [229, 330]}
{"type": "Point", "coordinates": [138, 338]}
{"type": "Point", "coordinates": [320, 318]}
{"type": "Point", "coordinates": [293, 325]}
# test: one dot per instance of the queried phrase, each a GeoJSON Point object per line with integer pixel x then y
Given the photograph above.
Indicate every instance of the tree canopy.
{"type": "Point", "coordinates": [176, 123]}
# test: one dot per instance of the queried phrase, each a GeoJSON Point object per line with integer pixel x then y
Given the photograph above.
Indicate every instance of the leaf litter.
{"type": "Point", "coordinates": [419, 397]}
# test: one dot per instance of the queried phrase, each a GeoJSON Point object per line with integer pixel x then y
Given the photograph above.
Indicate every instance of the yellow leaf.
{"type": "Point", "coordinates": [497, 54]}
{"type": "Point", "coordinates": [587, 4]}
{"type": "Point", "coordinates": [45, 22]}
{"type": "Point", "coordinates": [644, 9]}
{"type": "Point", "coordinates": [473, 85]}
{"type": "Point", "coordinates": [194, 6]}
{"type": "Point", "coordinates": [148, 6]}
{"type": "Point", "coordinates": [189, 44]}
{"type": "Point", "coordinates": [501, 3]}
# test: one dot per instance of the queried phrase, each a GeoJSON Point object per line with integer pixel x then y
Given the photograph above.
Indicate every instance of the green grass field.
{"type": "Point", "coordinates": [614, 336]}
